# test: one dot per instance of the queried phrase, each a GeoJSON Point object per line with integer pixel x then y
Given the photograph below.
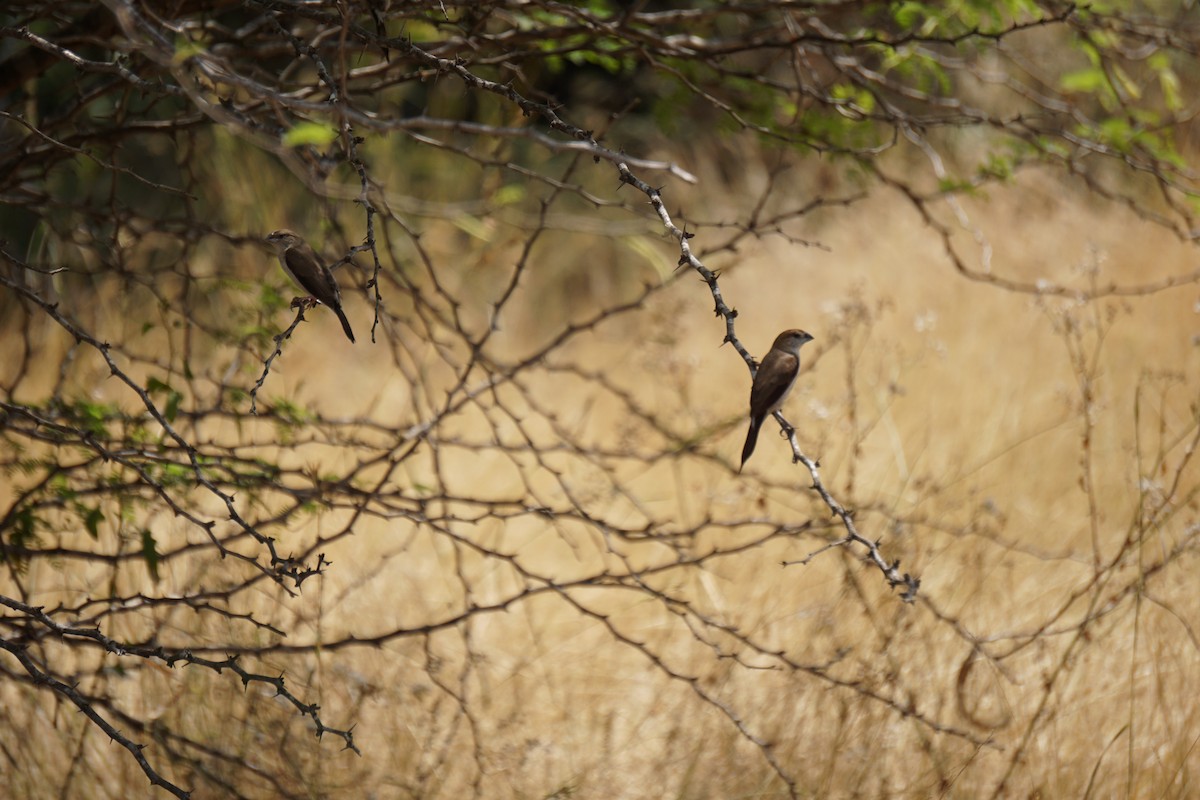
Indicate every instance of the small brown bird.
{"type": "Point", "coordinates": [774, 380]}
{"type": "Point", "coordinates": [306, 268]}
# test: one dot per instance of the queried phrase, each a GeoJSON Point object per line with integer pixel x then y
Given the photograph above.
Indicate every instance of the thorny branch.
{"type": "Point", "coordinates": [890, 570]}
{"type": "Point", "coordinates": [334, 93]}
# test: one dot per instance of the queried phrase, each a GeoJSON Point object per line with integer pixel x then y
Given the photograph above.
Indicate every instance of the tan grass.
{"type": "Point", "coordinates": [947, 411]}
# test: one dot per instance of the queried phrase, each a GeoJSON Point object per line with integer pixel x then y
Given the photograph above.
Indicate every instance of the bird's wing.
{"type": "Point", "coordinates": [314, 277]}
{"type": "Point", "coordinates": [775, 376]}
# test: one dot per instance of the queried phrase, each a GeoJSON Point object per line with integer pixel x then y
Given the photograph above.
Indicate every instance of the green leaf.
{"type": "Point", "coordinates": [908, 15]}
{"type": "Point", "coordinates": [155, 386]}
{"type": "Point", "coordinates": [23, 534]}
{"type": "Point", "coordinates": [93, 416]}
{"type": "Point", "coordinates": [187, 48]}
{"type": "Point", "coordinates": [92, 521]}
{"type": "Point", "coordinates": [290, 414]}
{"type": "Point", "coordinates": [1168, 80]}
{"type": "Point", "coordinates": [313, 133]}
{"type": "Point", "coordinates": [1127, 83]}
{"type": "Point", "coordinates": [509, 195]}
{"type": "Point", "coordinates": [58, 484]}
{"type": "Point", "coordinates": [172, 409]}
{"type": "Point", "coordinates": [24, 528]}
{"type": "Point", "coordinates": [175, 474]}
{"type": "Point", "coordinates": [473, 226]}
{"type": "Point", "coordinates": [150, 553]}
{"type": "Point", "coordinates": [1083, 80]}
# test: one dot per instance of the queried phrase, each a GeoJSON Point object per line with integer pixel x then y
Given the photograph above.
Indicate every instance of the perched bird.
{"type": "Point", "coordinates": [774, 379]}
{"type": "Point", "coordinates": [307, 269]}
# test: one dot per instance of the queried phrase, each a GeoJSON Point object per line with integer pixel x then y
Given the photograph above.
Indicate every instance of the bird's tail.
{"type": "Point", "coordinates": [345, 322]}
{"type": "Point", "coordinates": [751, 440]}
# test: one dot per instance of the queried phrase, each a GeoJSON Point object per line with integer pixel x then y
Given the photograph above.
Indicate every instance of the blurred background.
{"type": "Point", "coordinates": [499, 546]}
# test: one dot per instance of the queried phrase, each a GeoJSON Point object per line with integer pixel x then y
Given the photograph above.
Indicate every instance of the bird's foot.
{"type": "Point", "coordinates": [305, 302]}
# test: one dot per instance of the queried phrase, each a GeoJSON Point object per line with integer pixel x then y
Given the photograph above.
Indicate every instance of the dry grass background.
{"type": "Point", "coordinates": [948, 411]}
